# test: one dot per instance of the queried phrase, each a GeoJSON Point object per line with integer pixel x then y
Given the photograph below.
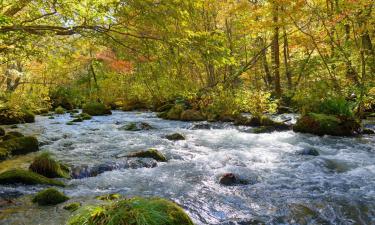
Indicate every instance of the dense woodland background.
{"type": "Point", "coordinates": [221, 56]}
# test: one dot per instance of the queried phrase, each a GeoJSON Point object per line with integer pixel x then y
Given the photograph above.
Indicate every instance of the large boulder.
{"type": "Point", "coordinates": [8, 117]}
{"type": "Point", "coordinates": [45, 165]}
{"type": "Point", "coordinates": [16, 176]}
{"type": "Point", "coordinates": [96, 109]}
{"type": "Point", "coordinates": [21, 145]}
{"type": "Point", "coordinates": [322, 124]}
{"type": "Point", "coordinates": [151, 153]}
{"type": "Point", "coordinates": [175, 112]}
{"type": "Point", "coordinates": [49, 196]}
{"type": "Point", "coordinates": [192, 115]}
{"type": "Point", "coordinates": [139, 211]}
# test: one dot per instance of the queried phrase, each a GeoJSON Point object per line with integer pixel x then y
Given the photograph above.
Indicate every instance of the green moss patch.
{"type": "Point", "coordinates": [60, 110]}
{"type": "Point", "coordinates": [21, 145]}
{"type": "Point", "coordinates": [15, 176]}
{"type": "Point", "coordinates": [96, 109]}
{"type": "Point", "coordinates": [109, 197]}
{"type": "Point", "coordinates": [134, 211]}
{"type": "Point", "coordinates": [151, 153]}
{"type": "Point", "coordinates": [72, 206]}
{"type": "Point", "coordinates": [192, 115]}
{"type": "Point", "coordinates": [49, 196]}
{"type": "Point", "coordinates": [12, 135]}
{"type": "Point", "coordinates": [45, 165]}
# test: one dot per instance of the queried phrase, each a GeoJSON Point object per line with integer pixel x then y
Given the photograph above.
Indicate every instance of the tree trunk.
{"type": "Point", "coordinates": [276, 51]}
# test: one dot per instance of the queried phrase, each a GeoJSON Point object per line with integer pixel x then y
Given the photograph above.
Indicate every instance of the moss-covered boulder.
{"type": "Point", "coordinates": [175, 137]}
{"type": "Point", "coordinates": [151, 153]}
{"type": "Point", "coordinates": [72, 206]}
{"type": "Point", "coordinates": [12, 135]}
{"type": "Point", "coordinates": [50, 196]}
{"type": "Point", "coordinates": [192, 115]}
{"type": "Point", "coordinates": [9, 117]}
{"type": "Point", "coordinates": [45, 165]}
{"type": "Point", "coordinates": [21, 145]}
{"type": "Point", "coordinates": [137, 126]}
{"type": "Point", "coordinates": [59, 110]}
{"type": "Point", "coordinates": [96, 109]}
{"type": "Point", "coordinates": [2, 131]}
{"type": "Point", "coordinates": [175, 112]}
{"type": "Point", "coordinates": [322, 124]}
{"type": "Point", "coordinates": [16, 176]}
{"type": "Point", "coordinates": [133, 211]}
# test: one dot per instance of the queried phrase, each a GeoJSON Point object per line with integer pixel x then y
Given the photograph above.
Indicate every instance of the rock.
{"type": "Point", "coordinates": [139, 210]}
{"type": "Point", "coordinates": [309, 151]}
{"type": "Point", "coordinates": [14, 126]}
{"type": "Point", "coordinates": [230, 179]}
{"type": "Point", "coordinates": [136, 126]}
{"type": "Point", "coordinates": [48, 167]}
{"type": "Point", "coordinates": [77, 120]}
{"type": "Point", "coordinates": [151, 153]}
{"type": "Point", "coordinates": [73, 111]}
{"type": "Point", "coordinates": [96, 109]}
{"type": "Point", "coordinates": [192, 115]}
{"type": "Point", "coordinates": [175, 112]}
{"type": "Point", "coordinates": [368, 131]}
{"type": "Point", "coordinates": [322, 124]}
{"type": "Point", "coordinates": [21, 145]}
{"type": "Point", "coordinates": [175, 137]}
{"type": "Point", "coordinates": [60, 110]}
{"type": "Point", "coordinates": [16, 176]}
{"type": "Point", "coordinates": [165, 107]}
{"type": "Point", "coordinates": [51, 117]}
{"type": "Point", "coordinates": [72, 206]}
{"type": "Point", "coordinates": [7, 117]}
{"type": "Point", "coordinates": [2, 131]}
{"type": "Point", "coordinates": [12, 135]}
{"type": "Point", "coordinates": [50, 196]}
{"type": "Point", "coordinates": [108, 197]}
{"type": "Point", "coordinates": [4, 154]}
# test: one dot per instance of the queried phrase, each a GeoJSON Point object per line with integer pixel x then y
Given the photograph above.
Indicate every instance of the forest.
{"type": "Point", "coordinates": [182, 112]}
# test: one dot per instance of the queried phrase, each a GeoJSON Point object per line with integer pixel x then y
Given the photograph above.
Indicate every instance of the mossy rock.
{"type": "Point", "coordinates": [133, 211]}
{"type": "Point", "coordinates": [175, 137]}
{"type": "Point", "coordinates": [73, 111]}
{"type": "Point", "coordinates": [50, 196]}
{"type": "Point", "coordinates": [16, 176]}
{"type": "Point", "coordinates": [77, 120]}
{"type": "Point", "coordinates": [192, 115]}
{"type": "Point", "coordinates": [21, 145]}
{"type": "Point", "coordinates": [4, 153]}
{"type": "Point", "coordinates": [45, 165]}
{"type": "Point", "coordinates": [85, 116]}
{"type": "Point", "coordinates": [322, 124]}
{"type": "Point", "coordinates": [70, 123]}
{"type": "Point", "coordinates": [24, 116]}
{"type": "Point", "coordinates": [72, 206]}
{"type": "Point", "coordinates": [151, 153]}
{"type": "Point", "coordinates": [41, 111]}
{"type": "Point", "coordinates": [2, 131]}
{"type": "Point", "coordinates": [137, 126]}
{"type": "Point", "coordinates": [60, 110]}
{"type": "Point", "coordinates": [175, 112]}
{"type": "Point", "coordinates": [109, 197]}
{"type": "Point", "coordinates": [96, 109]}
{"type": "Point", "coordinates": [11, 135]}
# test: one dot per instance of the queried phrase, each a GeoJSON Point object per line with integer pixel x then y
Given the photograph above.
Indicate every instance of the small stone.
{"type": "Point", "coordinates": [228, 179]}
{"type": "Point", "coordinates": [175, 137]}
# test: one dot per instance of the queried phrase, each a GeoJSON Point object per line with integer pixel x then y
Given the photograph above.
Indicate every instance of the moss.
{"type": "Point", "coordinates": [4, 154]}
{"type": "Point", "coordinates": [85, 116]}
{"type": "Point", "coordinates": [165, 107]}
{"type": "Point", "coordinates": [322, 124]}
{"type": "Point", "coordinates": [50, 196]}
{"type": "Point", "coordinates": [21, 145]}
{"type": "Point", "coordinates": [72, 206]}
{"type": "Point", "coordinates": [15, 176]}
{"type": "Point", "coordinates": [59, 110]}
{"type": "Point", "coordinates": [96, 109]}
{"type": "Point", "coordinates": [137, 126]}
{"type": "Point", "coordinates": [45, 165]}
{"type": "Point", "coordinates": [109, 197]}
{"type": "Point", "coordinates": [12, 135]}
{"type": "Point", "coordinates": [9, 118]}
{"type": "Point", "coordinates": [2, 131]}
{"type": "Point", "coordinates": [134, 211]}
{"type": "Point", "coordinates": [192, 115]}
{"type": "Point", "coordinates": [175, 112]}
{"type": "Point", "coordinates": [70, 123]}
{"type": "Point", "coordinates": [175, 137]}
{"type": "Point", "coordinates": [151, 153]}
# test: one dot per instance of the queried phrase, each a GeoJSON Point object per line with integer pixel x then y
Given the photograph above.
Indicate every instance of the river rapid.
{"type": "Point", "coordinates": [284, 186]}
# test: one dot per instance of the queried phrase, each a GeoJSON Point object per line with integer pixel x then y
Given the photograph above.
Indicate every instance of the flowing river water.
{"type": "Point", "coordinates": [285, 187]}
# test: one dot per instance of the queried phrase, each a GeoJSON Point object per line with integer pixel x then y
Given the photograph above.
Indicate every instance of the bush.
{"type": "Point", "coordinates": [134, 211]}
{"type": "Point", "coordinates": [335, 106]}
{"type": "Point", "coordinates": [49, 196]}
{"type": "Point", "coordinates": [65, 97]}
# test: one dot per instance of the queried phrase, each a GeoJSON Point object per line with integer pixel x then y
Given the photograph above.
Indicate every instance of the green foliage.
{"type": "Point", "coordinates": [60, 110]}
{"type": "Point", "coordinates": [65, 97]}
{"type": "Point", "coordinates": [335, 106]}
{"type": "Point", "coordinates": [134, 211]}
{"type": "Point", "coordinates": [16, 176]}
{"type": "Point", "coordinates": [45, 165]}
{"type": "Point", "coordinates": [49, 196]}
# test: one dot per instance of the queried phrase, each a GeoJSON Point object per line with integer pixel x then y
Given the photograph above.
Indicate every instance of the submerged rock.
{"type": "Point", "coordinates": [175, 137]}
{"type": "Point", "coordinates": [50, 196]}
{"type": "Point", "coordinates": [15, 176]}
{"type": "Point", "coordinates": [72, 206]}
{"type": "Point", "coordinates": [136, 126]}
{"type": "Point", "coordinates": [96, 109]}
{"type": "Point", "coordinates": [48, 167]}
{"type": "Point", "coordinates": [230, 179]}
{"type": "Point", "coordinates": [309, 151]}
{"type": "Point", "coordinates": [139, 210]}
{"type": "Point", "coordinates": [21, 145]}
{"type": "Point", "coordinates": [151, 153]}
{"type": "Point", "coordinates": [322, 124]}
